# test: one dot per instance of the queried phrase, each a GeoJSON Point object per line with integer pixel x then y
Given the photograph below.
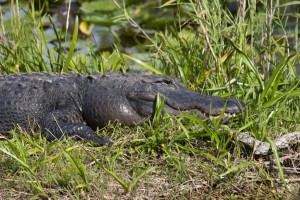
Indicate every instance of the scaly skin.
{"type": "Point", "coordinates": [76, 104]}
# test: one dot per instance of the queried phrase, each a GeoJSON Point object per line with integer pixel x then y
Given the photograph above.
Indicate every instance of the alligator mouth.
{"type": "Point", "coordinates": [202, 114]}
{"type": "Point", "coordinates": [216, 107]}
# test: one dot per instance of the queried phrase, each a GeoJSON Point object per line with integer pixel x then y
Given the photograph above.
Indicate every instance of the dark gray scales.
{"type": "Point", "coordinates": [76, 104]}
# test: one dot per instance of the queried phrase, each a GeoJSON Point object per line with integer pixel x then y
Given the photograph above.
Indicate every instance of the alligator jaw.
{"type": "Point", "coordinates": [204, 106]}
{"type": "Point", "coordinates": [202, 114]}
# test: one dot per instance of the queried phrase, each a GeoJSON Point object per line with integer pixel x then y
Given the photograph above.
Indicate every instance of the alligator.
{"type": "Point", "coordinates": [77, 104]}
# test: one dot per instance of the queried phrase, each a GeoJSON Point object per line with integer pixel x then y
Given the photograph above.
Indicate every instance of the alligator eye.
{"type": "Point", "coordinates": [168, 82]}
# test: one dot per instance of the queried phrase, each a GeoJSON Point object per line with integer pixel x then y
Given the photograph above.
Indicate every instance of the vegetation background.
{"type": "Point", "coordinates": [247, 49]}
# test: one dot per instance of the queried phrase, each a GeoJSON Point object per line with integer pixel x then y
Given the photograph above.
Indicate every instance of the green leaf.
{"type": "Point", "coordinates": [77, 165]}
{"type": "Point", "coordinates": [124, 185]}
{"type": "Point", "coordinates": [249, 64]}
{"type": "Point", "coordinates": [72, 47]}
{"type": "Point", "coordinates": [143, 64]}
{"type": "Point", "coordinates": [277, 160]}
{"type": "Point", "coordinates": [103, 5]}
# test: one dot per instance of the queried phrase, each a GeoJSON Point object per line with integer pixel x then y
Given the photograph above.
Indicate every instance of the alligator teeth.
{"type": "Point", "coordinates": [225, 115]}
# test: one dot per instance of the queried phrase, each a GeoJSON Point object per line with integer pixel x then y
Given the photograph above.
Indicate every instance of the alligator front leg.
{"type": "Point", "coordinates": [59, 123]}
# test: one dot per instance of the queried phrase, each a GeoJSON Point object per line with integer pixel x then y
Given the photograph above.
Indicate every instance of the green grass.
{"type": "Point", "coordinates": [210, 51]}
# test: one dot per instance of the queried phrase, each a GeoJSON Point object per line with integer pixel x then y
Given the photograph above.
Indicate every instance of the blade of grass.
{"type": "Point", "coordinates": [249, 64]}
{"type": "Point", "coordinates": [292, 92]}
{"type": "Point", "coordinates": [159, 106]}
{"type": "Point", "coordinates": [277, 161]}
{"type": "Point", "coordinates": [124, 185]}
{"type": "Point", "coordinates": [210, 132]}
{"type": "Point", "coordinates": [244, 165]}
{"type": "Point", "coordinates": [145, 65]}
{"type": "Point", "coordinates": [38, 185]}
{"type": "Point", "coordinates": [77, 165]}
{"type": "Point", "coordinates": [275, 78]}
{"type": "Point", "coordinates": [72, 46]}
{"type": "Point", "coordinates": [136, 179]}
{"type": "Point", "coordinates": [60, 52]}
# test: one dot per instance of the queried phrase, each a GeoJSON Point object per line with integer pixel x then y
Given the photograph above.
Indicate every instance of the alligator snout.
{"type": "Point", "coordinates": [232, 108]}
{"type": "Point", "coordinates": [235, 106]}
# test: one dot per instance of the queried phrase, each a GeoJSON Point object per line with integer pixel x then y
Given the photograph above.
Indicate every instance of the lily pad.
{"type": "Point", "coordinates": [103, 5]}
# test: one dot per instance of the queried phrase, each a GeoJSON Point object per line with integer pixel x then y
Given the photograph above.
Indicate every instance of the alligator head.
{"type": "Point", "coordinates": [131, 98]}
{"type": "Point", "coordinates": [178, 99]}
